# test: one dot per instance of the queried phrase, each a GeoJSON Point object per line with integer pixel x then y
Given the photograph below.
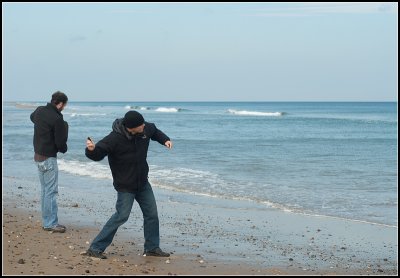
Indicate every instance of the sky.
{"type": "Point", "coordinates": [200, 51]}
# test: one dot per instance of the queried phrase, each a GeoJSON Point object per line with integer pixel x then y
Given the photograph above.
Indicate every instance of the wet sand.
{"type": "Point", "coordinates": [221, 237]}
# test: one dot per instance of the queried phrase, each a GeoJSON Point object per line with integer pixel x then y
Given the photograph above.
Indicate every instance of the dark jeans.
{"type": "Point", "coordinates": [147, 203]}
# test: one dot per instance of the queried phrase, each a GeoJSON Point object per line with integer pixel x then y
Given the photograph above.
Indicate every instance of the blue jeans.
{"type": "Point", "coordinates": [48, 176]}
{"type": "Point", "coordinates": [147, 203]}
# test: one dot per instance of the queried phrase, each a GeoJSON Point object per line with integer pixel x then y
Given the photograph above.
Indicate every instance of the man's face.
{"type": "Point", "coordinates": [61, 106]}
{"type": "Point", "coordinates": [136, 130]}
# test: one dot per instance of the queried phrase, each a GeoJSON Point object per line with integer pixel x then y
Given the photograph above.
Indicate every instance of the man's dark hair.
{"type": "Point", "coordinates": [58, 97]}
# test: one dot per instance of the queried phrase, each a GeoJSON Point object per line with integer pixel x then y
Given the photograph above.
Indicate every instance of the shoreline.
{"type": "Point", "coordinates": [217, 237]}
{"type": "Point", "coordinates": [25, 252]}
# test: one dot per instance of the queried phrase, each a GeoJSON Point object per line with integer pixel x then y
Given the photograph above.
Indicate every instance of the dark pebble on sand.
{"type": "Point", "coordinates": [21, 261]}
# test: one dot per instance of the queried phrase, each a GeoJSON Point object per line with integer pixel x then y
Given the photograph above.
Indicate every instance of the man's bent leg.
{"type": "Point", "coordinates": [123, 206]}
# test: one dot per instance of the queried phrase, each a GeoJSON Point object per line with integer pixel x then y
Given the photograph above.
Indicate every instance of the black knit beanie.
{"type": "Point", "coordinates": [133, 119]}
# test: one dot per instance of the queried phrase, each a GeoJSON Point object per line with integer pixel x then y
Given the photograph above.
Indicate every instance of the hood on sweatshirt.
{"type": "Point", "coordinates": [119, 127]}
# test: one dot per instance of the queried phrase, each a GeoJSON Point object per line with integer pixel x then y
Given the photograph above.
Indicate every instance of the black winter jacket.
{"type": "Point", "coordinates": [50, 131]}
{"type": "Point", "coordinates": [127, 154]}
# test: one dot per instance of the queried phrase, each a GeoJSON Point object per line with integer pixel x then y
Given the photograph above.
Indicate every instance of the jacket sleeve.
{"type": "Point", "coordinates": [101, 150]}
{"type": "Point", "coordinates": [159, 136]}
{"type": "Point", "coordinates": [61, 135]}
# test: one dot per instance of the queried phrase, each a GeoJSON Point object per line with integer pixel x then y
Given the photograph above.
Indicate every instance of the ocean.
{"type": "Point", "coordinates": [329, 159]}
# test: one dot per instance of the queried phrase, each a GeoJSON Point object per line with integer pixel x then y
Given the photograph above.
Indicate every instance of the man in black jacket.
{"type": "Point", "coordinates": [50, 137]}
{"type": "Point", "coordinates": [126, 147]}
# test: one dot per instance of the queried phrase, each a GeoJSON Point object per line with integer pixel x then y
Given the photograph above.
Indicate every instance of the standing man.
{"type": "Point", "coordinates": [126, 147]}
{"type": "Point", "coordinates": [50, 137]}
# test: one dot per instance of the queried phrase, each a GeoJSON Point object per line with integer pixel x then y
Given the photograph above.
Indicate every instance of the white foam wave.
{"type": "Point", "coordinates": [83, 114]}
{"type": "Point", "coordinates": [255, 113]}
{"type": "Point", "coordinates": [137, 107]}
{"type": "Point", "coordinates": [178, 180]}
{"type": "Point", "coordinates": [91, 169]}
{"type": "Point", "coordinates": [167, 109]}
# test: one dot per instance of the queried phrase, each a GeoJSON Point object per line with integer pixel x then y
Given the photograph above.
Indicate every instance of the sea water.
{"type": "Point", "coordinates": [331, 159]}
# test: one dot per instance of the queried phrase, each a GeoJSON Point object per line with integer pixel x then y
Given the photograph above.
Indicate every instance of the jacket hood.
{"type": "Point", "coordinates": [119, 127]}
{"type": "Point", "coordinates": [53, 107]}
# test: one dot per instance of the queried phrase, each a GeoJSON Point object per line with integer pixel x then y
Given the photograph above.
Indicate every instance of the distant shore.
{"type": "Point", "coordinates": [221, 239]}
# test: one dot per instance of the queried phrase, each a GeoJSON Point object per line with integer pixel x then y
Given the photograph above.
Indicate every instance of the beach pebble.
{"type": "Point", "coordinates": [167, 261]}
{"type": "Point", "coordinates": [21, 261]}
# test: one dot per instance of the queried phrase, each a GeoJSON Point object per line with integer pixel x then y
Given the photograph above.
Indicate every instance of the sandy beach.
{"type": "Point", "coordinates": [28, 250]}
{"type": "Point", "coordinates": [226, 238]}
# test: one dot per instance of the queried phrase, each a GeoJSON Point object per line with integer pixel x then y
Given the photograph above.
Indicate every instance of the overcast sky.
{"type": "Point", "coordinates": [200, 51]}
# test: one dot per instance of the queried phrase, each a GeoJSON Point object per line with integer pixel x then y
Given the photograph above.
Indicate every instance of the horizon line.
{"type": "Point", "coordinates": [207, 101]}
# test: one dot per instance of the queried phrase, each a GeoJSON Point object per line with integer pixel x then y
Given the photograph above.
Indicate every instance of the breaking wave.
{"type": "Point", "coordinates": [255, 113]}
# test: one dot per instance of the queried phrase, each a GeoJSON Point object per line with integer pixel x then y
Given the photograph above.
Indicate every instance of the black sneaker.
{"type": "Point", "coordinates": [157, 252]}
{"type": "Point", "coordinates": [95, 254]}
{"type": "Point", "coordinates": [56, 229]}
